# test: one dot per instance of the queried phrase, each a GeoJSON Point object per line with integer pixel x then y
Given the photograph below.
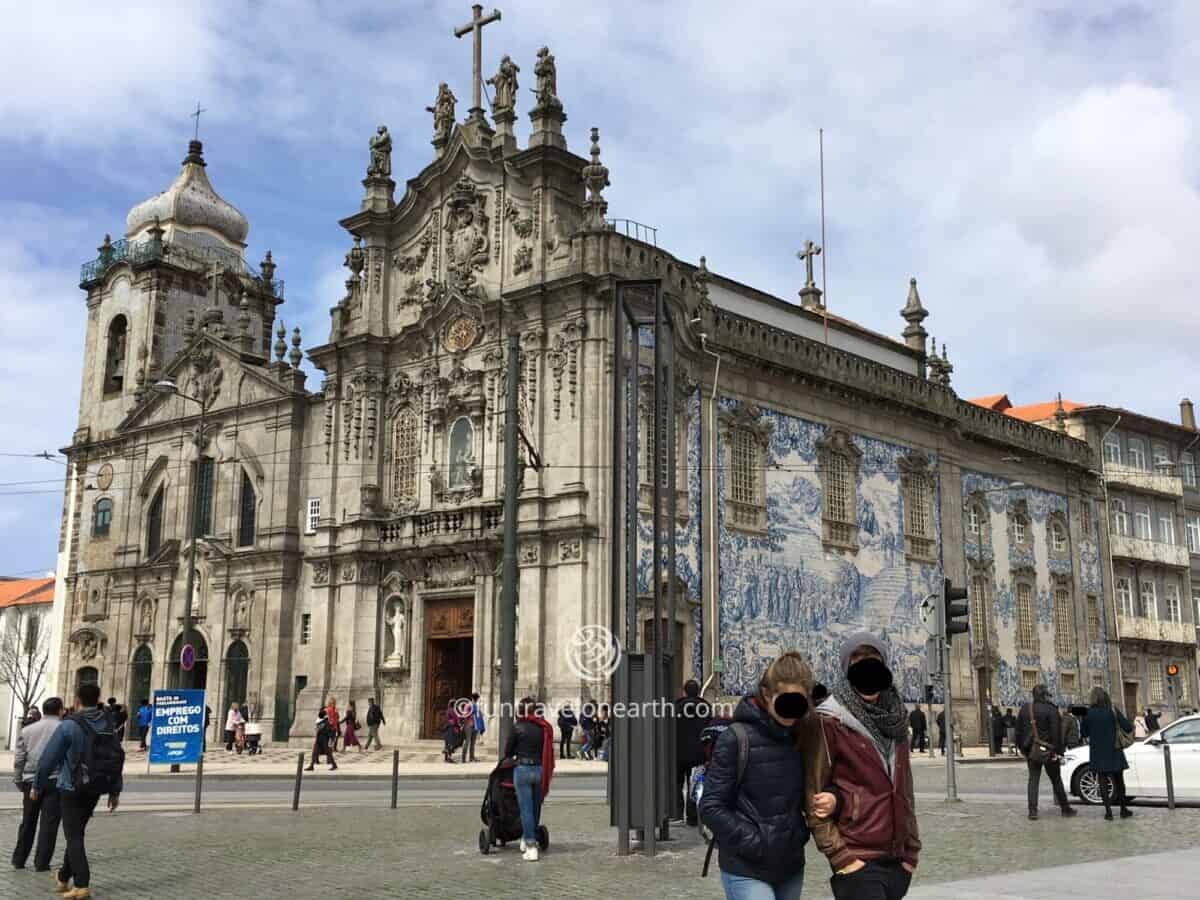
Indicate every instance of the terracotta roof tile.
{"type": "Point", "coordinates": [994, 402]}
{"type": "Point", "coordinates": [26, 591]}
{"type": "Point", "coordinates": [1041, 412]}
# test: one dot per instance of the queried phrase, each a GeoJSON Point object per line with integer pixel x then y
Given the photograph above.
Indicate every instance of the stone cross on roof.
{"type": "Point", "coordinates": [196, 116]}
{"type": "Point", "coordinates": [810, 250]}
{"type": "Point", "coordinates": [475, 27]}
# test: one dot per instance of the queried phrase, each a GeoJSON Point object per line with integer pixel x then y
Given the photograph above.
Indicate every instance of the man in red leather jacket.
{"type": "Point", "coordinates": [862, 758]}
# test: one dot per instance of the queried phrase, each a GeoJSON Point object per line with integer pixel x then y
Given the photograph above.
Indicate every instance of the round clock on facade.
{"type": "Point", "coordinates": [104, 477]}
{"type": "Point", "coordinates": [461, 334]}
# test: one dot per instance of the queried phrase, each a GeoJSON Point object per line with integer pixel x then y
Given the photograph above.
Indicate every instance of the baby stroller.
{"type": "Point", "coordinates": [253, 738]}
{"type": "Point", "coordinates": [500, 813]}
{"type": "Point", "coordinates": [708, 740]}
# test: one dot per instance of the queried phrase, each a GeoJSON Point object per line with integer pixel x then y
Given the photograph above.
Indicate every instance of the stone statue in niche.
{"type": "Point", "coordinates": [381, 153]}
{"type": "Point", "coordinates": [398, 621]}
{"type": "Point", "coordinates": [462, 453]}
{"type": "Point", "coordinates": [146, 617]}
{"type": "Point", "coordinates": [241, 612]}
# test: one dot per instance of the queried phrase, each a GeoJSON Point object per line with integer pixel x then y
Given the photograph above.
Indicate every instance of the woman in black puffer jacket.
{"type": "Point", "coordinates": [759, 824]}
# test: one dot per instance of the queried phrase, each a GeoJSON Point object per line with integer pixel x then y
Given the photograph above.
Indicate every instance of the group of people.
{"type": "Point", "coordinates": [592, 722]}
{"type": "Point", "coordinates": [64, 764]}
{"type": "Point", "coordinates": [330, 728]}
{"type": "Point", "coordinates": [463, 724]}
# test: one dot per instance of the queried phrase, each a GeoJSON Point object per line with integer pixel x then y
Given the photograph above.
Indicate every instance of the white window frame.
{"type": "Point", "coordinates": [1148, 595]}
{"type": "Point", "coordinates": [1196, 600]}
{"type": "Point", "coordinates": [1120, 514]}
{"type": "Point", "coordinates": [974, 522]}
{"type": "Point", "coordinates": [1174, 602]}
{"type": "Point", "coordinates": [1112, 450]}
{"type": "Point", "coordinates": [1020, 531]}
{"type": "Point", "coordinates": [1124, 591]}
{"type": "Point", "coordinates": [1193, 534]}
{"type": "Point", "coordinates": [1137, 453]}
{"type": "Point", "coordinates": [1143, 522]}
{"type": "Point", "coordinates": [1187, 469]}
{"type": "Point", "coordinates": [1166, 528]}
{"type": "Point", "coordinates": [1162, 458]}
{"type": "Point", "coordinates": [1058, 537]}
{"type": "Point", "coordinates": [314, 515]}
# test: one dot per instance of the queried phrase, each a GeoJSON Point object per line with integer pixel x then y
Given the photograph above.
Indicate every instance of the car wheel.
{"type": "Point", "coordinates": [1088, 786]}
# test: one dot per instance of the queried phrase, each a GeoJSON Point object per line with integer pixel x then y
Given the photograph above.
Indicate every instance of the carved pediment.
{"type": "Point", "coordinates": [749, 417]}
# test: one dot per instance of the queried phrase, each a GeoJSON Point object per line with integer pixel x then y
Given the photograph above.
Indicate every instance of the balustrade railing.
{"type": "Point", "coordinates": [442, 525]}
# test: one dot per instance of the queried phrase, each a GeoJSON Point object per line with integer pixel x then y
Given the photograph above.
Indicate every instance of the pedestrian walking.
{"type": "Point", "coordinates": [323, 742]}
{"type": "Point", "coordinates": [998, 729]}
{"type": "Point", "coordinates": [602, 736]}
{"type": "Point", "coordinates": [119, 717]}
{"type": "Point", "coordinates": [145, 715]}
{"type": "Point", "coordinates": [471, 719]}
{"type": "Point", "coordinates": [754, 786]}
{"type": "Point", "coordinates": [567, 723]}
{"type": "Point", "coordinates": [692, 716]}
{"type": "Point", "coordinates": [531, 745]}
{"type": "Point", "coordinates": [941, 724]}
{"type": "Point", "coordinates": [232, 720]}
{"type": "Point", "coordinates": [871, 839]}
{"type": "Point", "coordinates": [451, 732]}
{"type": "Point", "coordinates": [1040, 738]}
{"type": "Point", "coordinates": [1105, 749]}
{"type": "Point", "coordinates": [40, 817]}
{"type": "Point", "coordinates": [88, 758]}
{"type": "Point", "coordinates": [374, 720]}
{"type": "Point", "coordinates": [1010, 731]}
{"type": "Point", "coordinates": [351, 725]}
{"type": "Point", "coordinates": [331, 714]}
{"type": "Point", "coordinates": [1152, 721]}
{"type": "Point", "coordinates": [917, 725]}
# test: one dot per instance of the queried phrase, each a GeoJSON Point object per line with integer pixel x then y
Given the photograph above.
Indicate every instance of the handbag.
{"type": "Point", "coordinates": [1039, 750]}
{"type": "Point", "coordinates": [1125, 739]}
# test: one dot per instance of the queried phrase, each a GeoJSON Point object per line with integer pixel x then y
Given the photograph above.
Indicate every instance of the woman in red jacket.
{"type": "Point", "coordinates": [871, 837]}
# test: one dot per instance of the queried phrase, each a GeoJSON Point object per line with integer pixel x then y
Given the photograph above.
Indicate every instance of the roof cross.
{"type": "Point", "coordinates": [196, 116]}
{"type": "Point", "coordinates": [810, 250]}
{"type": "Point", "coordinates": [478, 20]}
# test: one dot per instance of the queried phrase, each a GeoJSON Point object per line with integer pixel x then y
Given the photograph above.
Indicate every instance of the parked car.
{"type": "Point", "coordinates": [1146, 776]}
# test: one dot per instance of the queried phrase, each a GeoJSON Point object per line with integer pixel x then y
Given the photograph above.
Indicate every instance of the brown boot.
{"type": "Point", "coordinates": [61, 887]}
{"type": "Point", "coordinates": [78, 893]}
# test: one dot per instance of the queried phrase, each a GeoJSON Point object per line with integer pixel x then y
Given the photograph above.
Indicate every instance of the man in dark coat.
{"type": "Point", "coordinates": [941, 724]}
{"type": "Point", "coordinates": [1151, 721]}
{"type": "Point", "coordinates": [692, 715]}
{"type": "Point", "coordinates": [997, 730]}
{"type": "Point", "coordinates": [918, 725]}
{"type": "Point", "coordinates": [1041, 717]}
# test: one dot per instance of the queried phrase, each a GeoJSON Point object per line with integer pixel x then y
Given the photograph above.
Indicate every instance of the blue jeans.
{"type": "Point", "coordinates": [739, 887]}
{"type": "Point", "coordinates": [528, 783]}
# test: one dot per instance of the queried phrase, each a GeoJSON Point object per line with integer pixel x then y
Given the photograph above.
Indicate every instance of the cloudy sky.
{"type": "Point", "coordinates": [1033, 164]}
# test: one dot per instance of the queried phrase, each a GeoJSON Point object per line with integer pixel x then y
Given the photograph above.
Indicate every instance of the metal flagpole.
{"type": "Point", "coordinates": [508, 589]}
{"type": "Point", "coordinates": [824, 248]}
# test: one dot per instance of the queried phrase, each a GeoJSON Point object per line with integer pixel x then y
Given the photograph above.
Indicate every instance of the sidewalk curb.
{"type": "Point", "coordinates": [188, 775]}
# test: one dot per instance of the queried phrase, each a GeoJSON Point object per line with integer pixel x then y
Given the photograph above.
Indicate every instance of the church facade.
{"type": "Point", "coordinates": [349, 526]}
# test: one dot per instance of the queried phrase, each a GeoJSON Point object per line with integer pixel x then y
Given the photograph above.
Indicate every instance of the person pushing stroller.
{"type": "Point", "coordinates": [531, 745]}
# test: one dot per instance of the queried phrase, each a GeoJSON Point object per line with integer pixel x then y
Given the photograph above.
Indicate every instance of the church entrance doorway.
{"type": "Point", "coordinates": [449, 651]}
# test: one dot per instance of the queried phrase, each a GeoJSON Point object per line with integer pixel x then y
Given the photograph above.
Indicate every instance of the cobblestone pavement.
{"type": "Point", "coordinates": [432, 851]}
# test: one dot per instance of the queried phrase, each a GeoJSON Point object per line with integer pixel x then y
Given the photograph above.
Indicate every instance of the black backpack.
{"type": "Point", "coordinates": [743, 757]}
{"type": "Point", "coordinates": [103, 759]}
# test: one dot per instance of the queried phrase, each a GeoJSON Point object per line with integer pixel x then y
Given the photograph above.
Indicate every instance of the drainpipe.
{"type": "Point", "coordinates": [1112, 570]}
{"type": "Point", "coordinates": [713, 579]}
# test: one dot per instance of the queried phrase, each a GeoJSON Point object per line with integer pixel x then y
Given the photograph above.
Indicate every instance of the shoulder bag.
{"type": "Point", "coordinates": [1039, 750]}
{"type": "Point", "coordinates": [1125, 739]}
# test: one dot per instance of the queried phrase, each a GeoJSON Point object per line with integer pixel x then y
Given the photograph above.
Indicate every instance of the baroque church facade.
{"type": "Point", "coordinates": [350, 525]}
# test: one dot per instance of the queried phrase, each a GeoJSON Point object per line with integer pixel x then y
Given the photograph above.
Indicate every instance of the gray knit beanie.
{"type": "Point", "coordinates": [862, 639]}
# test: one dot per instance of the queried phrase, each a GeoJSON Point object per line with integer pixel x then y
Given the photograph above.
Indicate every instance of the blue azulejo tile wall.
{"type": "Point", "coordinates": [786, 590]}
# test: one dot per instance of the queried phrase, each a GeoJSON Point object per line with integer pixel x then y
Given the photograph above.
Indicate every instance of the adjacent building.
{"type": "Point", "coordinates": [25, 640]}
{"type": "Point", "coordinates": [829, 477]}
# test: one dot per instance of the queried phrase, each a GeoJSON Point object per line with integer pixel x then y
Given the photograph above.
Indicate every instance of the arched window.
{"type": "Point", "coordinates": [154, 522]}
{"type": "Point", "coordinates": [198, 677]}
{"type": "Point", "coordinates": [462, 453]}
{"type": "Point", "coordinates": [981, 610]}
{"type": "Point", "coordinates": [86, 675]}
{"type": "Point", "coordinates": [204, 494]}
{"type": "Point", "coordinates": [102, 517]}
{"type": "Point", "coordinates": [140, 670]}
{"type": "Point", "coordinates": [246, 517]}
{"type": "Point", "coordinates": [237, 673]}
{"type": "Point", "coordinates": [405, 453]}
{"type": "Point", "coordinates": [838, 461]}
{"type": "Point", "coordinates": [114, 361]}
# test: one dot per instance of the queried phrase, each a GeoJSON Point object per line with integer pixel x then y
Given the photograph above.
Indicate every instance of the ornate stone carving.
{"type": "Point", "coordinates": [450, 571]}
{"type": "Point", "coordinates": [241, 611]}
{"type": "Point", "coordinates": [89, 645]}
{"type": "Point", "coordinates": [397, 619]}
{"type": "Point", "coordinates": [320, 573]}
{"type": "Point", "coordinates": [523, 260]}
{"type": "Point", "coordinates": [547, 81]}
{"type": "Point", "coordinates": [522, 227]}
{"type": "Point", "coordinates": [529, 553]}
{"type": "Point", "coordinates": [595, 177]}
{"type": "Point", "coordinates": [348, 571]}
{"type": "Point", "coordinates": [505, 83]}
{"type": "Point", "coordinates": [570, 550]}
{"type": "Point", "coordinates": [467, 239]}
{"type": "Point", "coordinates": [462, 333]}
{"type": "Point", "coordinates": [381, 153]}
{"type": "Point", "coordinates": [146, 616]}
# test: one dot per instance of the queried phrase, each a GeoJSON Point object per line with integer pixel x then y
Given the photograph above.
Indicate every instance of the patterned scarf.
{"type": "Point", "coordinates": [886, 719]}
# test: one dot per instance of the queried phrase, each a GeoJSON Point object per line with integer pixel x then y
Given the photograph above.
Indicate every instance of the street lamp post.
{"type": "Point", "coordinates": [185, 672]}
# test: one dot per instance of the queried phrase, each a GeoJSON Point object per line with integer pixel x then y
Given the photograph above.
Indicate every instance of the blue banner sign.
{"type": "Point", "coordinates": [177, 729]}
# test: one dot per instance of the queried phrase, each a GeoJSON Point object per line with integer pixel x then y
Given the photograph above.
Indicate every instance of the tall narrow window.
{"type": "Point", "coordinates": [1064, 623]}
{"type": "Point", "coordinates": [102, 517]}
{"type": "Point", "coordinates": [1137, 453]}
{"type": "Point", "coordinates": [305, 627]}
{"type": "Point", "coordinates": [1026, 624]}
{"type": "Point", "coordinates": [1156, 680]}
{"type": "Point", "coordinates": [1093, 617]}
{"type": "Point", "coordinates": [1193, 534]}
{"type": "Point", "coordinates": [1141, 522]}
{"type": "Point", "coordinates": [1120, 517]}
{"type": "Point", "coordinates": [1174, 603]}
{"type": "Point", "coordinates": [1166, 528]}
{"type": "Point", "coordinates": [1112, 449]}
{"type": "Point", "coordinates": [1125, 596]}
{"type": "Point", "coordinates": [839, 462]}
{"type": "Point", "coordinates": [1187, 469]}
{"type": "Point", "coordinates": [917, 486]}
{"type": "Point", "coordinates": [980, 606]}
{"type": "Point", "coordinates": [1029, 679]}
{"type": "Point", "coordinates": [314, 515]}
{"type": "Point", "coordinates": [154, 524]}
{"type": "Point", "coordinates": [248, 509]}
{"type": "Point", "coordinates": [746, 464]}
{"type": "Point", "coordinates": [1085, 517]}
{"type": "Point", "coordinates": [1058, 537]}
{"type": "Point", "coordinates": [405, 452]}
{"type": "Point", "coordinates": [1149, 599]}
{"type": "Point", "coordinates": [1020, 530]}
{"type": "Point", "coordinates": [204, 495]}
{"type": "Point", "coordinates": [974, 520]}
{"type": "Point", "coordinates": [114, 361]}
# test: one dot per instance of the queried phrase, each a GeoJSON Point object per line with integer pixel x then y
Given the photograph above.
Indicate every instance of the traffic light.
{"type": "Point", "coordinates": [956, 609]}
{"type": "Point", "coordinates": [1173, 678]}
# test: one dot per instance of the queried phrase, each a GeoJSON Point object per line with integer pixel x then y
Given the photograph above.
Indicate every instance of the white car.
{"type": "Point", "coordinates": [1146, 776]}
